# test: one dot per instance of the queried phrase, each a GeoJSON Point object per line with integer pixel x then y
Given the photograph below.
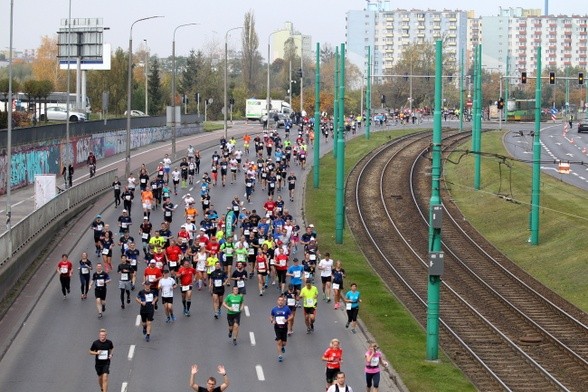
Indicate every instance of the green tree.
{"type": "Point", "coordinates": [251, 60]}
{"type": "Point", "coordinates": [156, 96]}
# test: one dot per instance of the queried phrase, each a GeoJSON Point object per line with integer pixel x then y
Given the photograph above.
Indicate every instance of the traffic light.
{"type": "Point", "coordinates": [580, 77]}
{"type": "Point", "coordinates": [383, 99]}
{"type": "Point", "coordinates": [552, 78]}
{"type": "Point", "coordinates": [299, 72]}
{"type": "Point", "coordinates": [500, 103]}
{"type": "Point", "coordinates": [523, 77]}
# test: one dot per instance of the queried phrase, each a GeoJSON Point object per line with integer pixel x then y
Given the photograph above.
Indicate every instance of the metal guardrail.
{"type": "Point", "coordinates": [29, 230]}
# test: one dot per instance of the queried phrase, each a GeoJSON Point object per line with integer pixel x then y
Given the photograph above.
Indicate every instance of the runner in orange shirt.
{"type": "Point", "coordinates": [147, 201]}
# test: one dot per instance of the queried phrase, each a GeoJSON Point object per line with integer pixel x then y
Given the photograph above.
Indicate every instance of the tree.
{"type": "Point", "coordinates": [189, 75]}
{"type": "Point", "coordinates": [156, 101]}
{"type": "Point", "coordinates": [327, 53]}
{"type": "Point", "coordinates": [4, 90]}
{"type": "Point", "coordinates": [45, 66]}
{"type": "Point", "coordinates": [251, 60]}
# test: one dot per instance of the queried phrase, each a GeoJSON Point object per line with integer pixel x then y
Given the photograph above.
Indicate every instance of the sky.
{"type": "Point", "coordinates": [324, 20]}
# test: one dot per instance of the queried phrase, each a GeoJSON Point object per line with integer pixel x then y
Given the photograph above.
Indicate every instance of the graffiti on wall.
{"type": "Point", "coordinates": [48, 158]}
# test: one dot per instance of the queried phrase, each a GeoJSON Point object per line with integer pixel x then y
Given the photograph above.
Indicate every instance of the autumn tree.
{"type": "Point", "coordinates": [45, 66]}
{"type": "Point", "coordinates": [251, 60]}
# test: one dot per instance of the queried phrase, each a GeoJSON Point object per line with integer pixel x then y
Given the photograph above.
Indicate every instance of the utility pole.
{"type": "Point", "coordinates": [368, 95]}
{"type": "Point", "coordinates": [536, 180]}
{"type": "Point", "coordinates": [340, 146]}
{"type": "Point", "coordinates": [317, 117]}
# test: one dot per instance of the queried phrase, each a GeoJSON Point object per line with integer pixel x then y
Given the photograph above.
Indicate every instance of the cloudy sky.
{"type": "Point", "coordinates": [324, 20]}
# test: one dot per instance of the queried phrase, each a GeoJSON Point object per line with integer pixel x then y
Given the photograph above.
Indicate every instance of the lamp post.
{"type": "Point", "coordinates": [269, 102]}
{"type": "Point", "coordinates": [226, 71]}
{"type": "Point", "coordinates": [9, 136]}
{"type": "Point", "coordinates": [173, 97]}
{"type": "Point", "coordinates": [146, 69]}
{"type": "Point", "coordinates": [130, 94]}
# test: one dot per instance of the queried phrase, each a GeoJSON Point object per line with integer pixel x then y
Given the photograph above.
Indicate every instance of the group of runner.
{"type": "Point", "coordinates": [211, 251]}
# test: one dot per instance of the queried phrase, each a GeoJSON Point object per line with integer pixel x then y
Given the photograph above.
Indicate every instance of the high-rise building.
{"type": "Point", "coordinates": [389, 32]}
{"type": "Point", "coordinates": [283, 38]}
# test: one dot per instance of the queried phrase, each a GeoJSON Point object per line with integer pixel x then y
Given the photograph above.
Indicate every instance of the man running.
{"type": "Point", "coordinates": [218, 278]}
{"type": "Point", "coordinates": [100, 279]}
{"type": "Point", "coordinates": [166, 287]}
{"type": "Point", "coordinates": [234, 304]}
{"type": "Point", "coordinates": [102, 350]}
{"type": "Point", "coordinates": [147, 299]}
{"type": "Point", "coordinates": [125, 273]}
{"type": "Point", "coordinates": [65, 271]}
{"type": "Point", "coordinates": [309, 295]}
{"type": "Point", "coordinates": [326, 268]}
{"type": "Point", "coordinates": [279, 317]}
{"type": "Point", "coordinates": [186, 275]}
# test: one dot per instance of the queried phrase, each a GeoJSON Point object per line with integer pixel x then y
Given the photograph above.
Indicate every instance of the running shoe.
{"type": "Point", "coordinates": [280, 359]}
{"type": "Point", "coordinates": [347, 324]}
{"type": "Point", "coordinates": [144, 330]}
{"type": "Point", "coordinates": [230, 334]}
{"type": "Point", "coordinates": [173, 318]}
{"type": "Point", "coordinates": [147, 338]}
{"type": "Point", "coordinates": [283, 350]}
{"type": "Point", "coordinates": [99, 315]}
{"type": "Point", "coordinates": [103, 308]}
{"type": "Point", "coordinates": [234, 342]}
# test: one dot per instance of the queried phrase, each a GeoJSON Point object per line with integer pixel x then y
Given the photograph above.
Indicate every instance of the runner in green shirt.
{"type": "Point", "coordinates": [308, 296]}
{"type": "Point", "coordinates": [233, 303]}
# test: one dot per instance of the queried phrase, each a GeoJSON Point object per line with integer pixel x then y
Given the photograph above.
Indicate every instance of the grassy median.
{"type": "Point", "coordinates": [398, 334]}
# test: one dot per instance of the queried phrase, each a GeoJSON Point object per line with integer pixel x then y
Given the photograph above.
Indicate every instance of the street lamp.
{"type": "Point", "coordinates": [9, 136]}
{"type": "Point", "coordinates": [268, 103]}
{"type": "Point", "coordinates": [146, 69]}
{"type": "Point", "coordinates": [130, 94]}
{"type": "Point", "coordinates": [226, 68]}
{"type": "Point", "coordinates": [174, 86]}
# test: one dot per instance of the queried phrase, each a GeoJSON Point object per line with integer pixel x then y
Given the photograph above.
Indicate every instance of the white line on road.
{"type": "Point", "coordinates": [123, 387]}
{"type": "Point", "coordinates": [247, 314]}
{"type": "Point", "coordinates": [252, 338]}
{"type": "Point", "coordinates": [131, 352]}
{"type": "Point", "coordinates": [138, 320]}
{"type": "Point", "coordinates": [259, 371]}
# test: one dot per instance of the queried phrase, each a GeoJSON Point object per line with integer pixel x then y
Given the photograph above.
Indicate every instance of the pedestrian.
{"type": "Point", "coordinates": [67, 173]}
{"type": "Point", "coordinates": [233, 305]}
{"type": "Point", "coordinates": [100, 279]}
{"type": "Point", "coordinates": [146, 298]}
{"type": "Point", "coordinates": [352, 300]}
{"type": "Point", "coordinates": [65, 270]}
{"type": "Point", "coordinates": [280, 317]}
{"type": "Point", "coordinates": [211, 382]}
{"type": "Point", "coordinates": [340, 385]}
{"type": "Point", "coordinates": [373, 359]}
{"type": "Point", "coordinates": [333, 356]}
{"type": "Point", "coordinates": [85, 268]}
{"type": "Point", "coordinates": [102, 350]}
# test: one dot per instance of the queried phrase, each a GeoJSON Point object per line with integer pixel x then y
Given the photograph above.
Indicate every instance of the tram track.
{"type": "Point", "coordinates": [502, 328]}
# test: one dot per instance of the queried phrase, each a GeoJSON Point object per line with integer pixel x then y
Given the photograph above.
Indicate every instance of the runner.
{"type": "Point", "coordinates": [167, 166]}
{"type": "Point", "coordinates": [65, 271]}
{"type": "Point", "coordinates": [152, 275]}
{"type": "Point", "coordinates": [340, 385]}
{"type": "Point", "coordinates": [186, 275]}
{"type": "Point", "coordinates": [132, 254]}
{"type": "Point", "coordinates": [102, 350]}
{"type": "Point", "coordinates": [309, 296]}
{"type": "Point", "coordinates": [234, 304]}
{"type": "Point", "coordinates": [239, 277]}
{"type": "Point", "coordinates": [116, 185]}
{"type": "Point", "coordinates": [279, 317]}
{"type": "Point", "coordinates": [352, 300]}
{"type": "Point", "coordinates": [262, 267]}
{"type": "Point", "coordinates": [373, 359]}
{"type": "Point", "coordinates": [97, 227]}
{"type": "Point", "coordinates": [337, 285]}
{"type": "Point", "coordinates": [333, 356]}
{"type": "Point", "coordinates": [166, 286]}
{"type": "Point", "coordinates": [291, 300]}
{"type": "Point", "coordinates": [85, 268]}
{"type": "Point", "coordinates": [176, 176]}
{"type": "Point", "coordinates": [127, 197]}
{"type": "Point", "coordinates": [124, 283]}
{"type": "Point", "coordinates": [100, 279]}
{"type": "Point", "coordinates": [325, 266]}
{"type": "Point", "coordinates": [211, 383]}
{"type": "Point", "coordinates": [147, 299]}
{"type": "Point", "coordinates": [218, 279]}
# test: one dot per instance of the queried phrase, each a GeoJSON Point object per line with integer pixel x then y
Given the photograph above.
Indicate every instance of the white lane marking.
{"type": "Point", "coordinates": [131, 352]}
{"type": "Point", "coordinates": [138, 320]}
{"type": "Point", "coordinates": [247, 314]}
{"type": "Point", "coordinates": [252, 338]}
{"type": "Point", "coordinates": [259, 371]}
{"type": "Point", "coordinates": [123, 387]}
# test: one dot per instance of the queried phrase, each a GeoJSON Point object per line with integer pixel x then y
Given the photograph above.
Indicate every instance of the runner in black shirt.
{"type": "Point", "coordinates": [102, 350]}
{"type": "Point", "coordinates": [146, 298]}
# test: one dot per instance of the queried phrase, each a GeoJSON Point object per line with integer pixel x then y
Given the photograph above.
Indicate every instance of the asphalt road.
{"type": "Point", "coordinates": [50, 351]}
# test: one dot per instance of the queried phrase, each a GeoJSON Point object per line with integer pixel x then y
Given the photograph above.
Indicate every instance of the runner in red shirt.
{"type": "Point", "coordinates": [186, 275]}
{"type": "Point", "coordinates": [262, 267]}
{"type": "Point", "coordinates": [201, 239]}
{"type": "Point", "coordinates": [172, 255]}
{"type": "Point", "coordinates": [333, 356]}
{"type": "Point", "coordinates": [213, 247]}
{"type": "Point", "coordinates": [281, 265]}
{"type": "Point", "coordinates": [159, 257]}
{"type": "Point", "coordinates": [269, 205]}
{"type": "Point", "coordinates": [153, 275]}
{"type": "Point", "coordinates": [65, 270]}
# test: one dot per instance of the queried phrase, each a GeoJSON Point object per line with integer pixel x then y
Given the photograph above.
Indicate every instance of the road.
{"type": "Point", "coordinates": [50, 351]}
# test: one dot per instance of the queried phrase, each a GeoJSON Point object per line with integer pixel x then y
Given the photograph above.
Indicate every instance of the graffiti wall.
{"type": "Point", "coordinates": [48, 157]}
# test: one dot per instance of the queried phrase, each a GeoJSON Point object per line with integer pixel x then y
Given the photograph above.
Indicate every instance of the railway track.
{"type": "Point", "coordinates": [502, 328]}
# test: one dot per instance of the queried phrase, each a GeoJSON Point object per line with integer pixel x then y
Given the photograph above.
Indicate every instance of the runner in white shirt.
{"type": "Point", "coordinates": [167, 166]}
{"type": "Point", "coordinates": [176, 175]}
{"type": "Point", "coordinates": [326, 267]}
{"type": "Point", "coordinates": [167, 284]}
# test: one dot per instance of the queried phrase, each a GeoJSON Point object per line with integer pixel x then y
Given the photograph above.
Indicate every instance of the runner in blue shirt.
{"type": "Point", "coordinates": [280, 315]}
{"type": "Point", "coordinates": [352, 300]}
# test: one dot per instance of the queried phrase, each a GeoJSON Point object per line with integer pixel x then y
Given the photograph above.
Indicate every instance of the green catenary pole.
{"type": "Point", "coordinates": [536, 183]}
{"type": "Point", "coordinates": [474, 98]}
{"type": "Point", "coordinates": [433, 289]}
{"type": "Point", "coordinates": [506, 88]}
{"type": "Point", "coordinates": [340, 146]}
{"type": "Point", "coordinates": [336, 103]}
{"type": "Point", "coordinates": [478, 119]}
{"type": "Point", "coordinates": [317, 117]}
{"type": "Point", "coordinates": [368, 94]}
{"type": "Point", "coordinates": [461, 87]}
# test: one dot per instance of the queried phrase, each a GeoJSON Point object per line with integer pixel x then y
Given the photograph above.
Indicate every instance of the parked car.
{"type": "Point", "coordinates": [583, 126]}
{"type": "Point", "coordinates": [136, 113]}
{"type": "Point", "coordinates": [56, 113]}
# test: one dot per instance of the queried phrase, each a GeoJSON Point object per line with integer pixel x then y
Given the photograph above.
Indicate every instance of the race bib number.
{"type": "Point", "coordinates": [128, 197]}
{"type": "Point", "coordinates": [85, 270]}
{"type": "Point", "coordinates": [251, 251]}
{"type": "Point", "coordinates": [309, 302]}
{"type": "Point", "coordinates": [124, 225]}
{"type": "Point", "coordinates": [143, 180]}
{"type": "Point", "coordinates": [296, 274]}
{"type": "Point", "coordinates": [99, 282]}
{"type": "Point", "coordinates": [235, 307]}
{"type": "Point", "coordinates": [168, 213]}
{"type": "Point", "coordinates": [149, 297]}
{"type": "Point", "coordinates": [348, 306]}
{"type": "Point", "coordinates": [291, 301]}
{"type": "Point", "coordinates": [124, 276]}
{"type": "Point", "coordinates": [306, 274]}
{"type": "Point", "coordinates": [151, 278]}
{"type": "Point", "coordinates": [375, 361]}
{"type": "Point", "coordinates": [312, 257]}
{"type": "Point", "coordinates": [105, 251]}
{"type": "Point", "coordinates": [145, 236]}
{"type": "Point", "coordinates": [173, 263]}
{"type": "Point", "coordinates": [103, 355]}
{"type": "Point", "coordinates": [64, 270]}
{"type": "Point", "coordinates": [185, 288]}
{"type": "Point", "coordinates": [240, 283]}
{"type": "Point", "coordinates": [335, 286]}
{"type": "Point", "coordinates": [133, 262]}
{"type": "Point", "coordinates": [218, 282]}
{"type": "Point", "coordinates": [280, 320]}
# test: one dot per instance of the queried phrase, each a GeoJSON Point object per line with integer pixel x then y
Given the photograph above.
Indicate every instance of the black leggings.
{"type": "Point", "coordinates": [85, 283]}
{"type": "Point", "coordinates": [372, 378]}
{"type": "Point", "coordinates": [65, 280]}
{"type": "Point", "coordinates": [352, 314]}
